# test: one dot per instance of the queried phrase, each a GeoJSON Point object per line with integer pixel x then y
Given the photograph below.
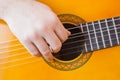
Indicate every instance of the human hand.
{"type": "Point", "coordinates": [37, 27]}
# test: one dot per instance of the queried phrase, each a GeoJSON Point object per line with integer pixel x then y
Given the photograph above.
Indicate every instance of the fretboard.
{"type": "Point", "coordinates": [101, 34]}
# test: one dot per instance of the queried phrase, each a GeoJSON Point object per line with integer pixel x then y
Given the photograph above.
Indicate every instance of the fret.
{"type": "Point", "coordinates": [118, 31]}
{"type": "Point", "coordinates": [112, 31]}
{"type": "Point", "coordinates": [92, 35]}
{"type": "Point", "coordinates": [102, 34]}
{"type": "Point", "coordinates": [89, 36]}
{"type": "Point", "coordinates": [98, 33]}
{"type": "Point", "coordinates": [95, 36]}
{"type": "Point", "coordinates": [107, 24]}
{"type": "Point", "coordinates": [117, 20]}
{"type": "Point", "coordinates": [85, 41]}
{"type": "Point", "coordinates": [117, 25]}
{"type": "Point", "coordinates": [105, 33]}
{"type": "Point", "coordinates": [115, 30]}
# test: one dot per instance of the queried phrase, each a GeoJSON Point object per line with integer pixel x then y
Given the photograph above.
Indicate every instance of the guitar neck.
{"type": "Point", "coordinates": [101, 34]}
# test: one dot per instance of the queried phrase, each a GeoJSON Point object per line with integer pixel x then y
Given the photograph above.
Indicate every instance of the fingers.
{"type": "Point", "coordinates": [40, 43]}
{"type": "Point", "coordinates": [31, 47]}
{"type": "Point", "coordinates": [43, 48]}
{"type": "Point", "coordinates": [53, 41]}
{"type": "Point", "coordinates": [39, 46]}
{"type": "Point", "coordinates": [62, 33]}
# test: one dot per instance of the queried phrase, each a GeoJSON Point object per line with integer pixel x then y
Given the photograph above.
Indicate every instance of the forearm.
{"type": "Point", "coordinates": [6, 4]}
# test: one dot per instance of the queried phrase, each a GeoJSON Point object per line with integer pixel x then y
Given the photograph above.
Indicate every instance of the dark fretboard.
{"type": "Point", "coordinates": [101, 34]}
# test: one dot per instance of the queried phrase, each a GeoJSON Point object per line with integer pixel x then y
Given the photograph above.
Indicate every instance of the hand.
{"type": "Point", "coordinates": [37, 27]}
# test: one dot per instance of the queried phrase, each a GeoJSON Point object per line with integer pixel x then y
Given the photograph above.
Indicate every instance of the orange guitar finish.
{"type": "Point", "coordinates": [17, 64]}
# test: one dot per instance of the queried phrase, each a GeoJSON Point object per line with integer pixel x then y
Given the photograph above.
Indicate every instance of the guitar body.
{"type": "Point", "coordinates": [17, 64]}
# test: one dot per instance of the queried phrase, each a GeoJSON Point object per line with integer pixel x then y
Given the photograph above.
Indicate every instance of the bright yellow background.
{"type": "Point", "coordinates": [103, 65]}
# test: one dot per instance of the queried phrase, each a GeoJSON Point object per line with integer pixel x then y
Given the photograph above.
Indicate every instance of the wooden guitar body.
{"type": "Point", "coordinates": [17, 64]}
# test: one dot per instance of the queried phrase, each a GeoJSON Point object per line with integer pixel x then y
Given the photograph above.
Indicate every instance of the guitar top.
{"type": "Point", "coordinates": [90, 53]}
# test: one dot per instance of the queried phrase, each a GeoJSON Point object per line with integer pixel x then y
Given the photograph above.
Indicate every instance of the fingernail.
{"type": "Point", "coordinates": [69, 33]}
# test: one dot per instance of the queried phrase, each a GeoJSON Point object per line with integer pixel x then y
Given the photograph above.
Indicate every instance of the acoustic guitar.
{"type": "Point", "coordinates": [91, 52]}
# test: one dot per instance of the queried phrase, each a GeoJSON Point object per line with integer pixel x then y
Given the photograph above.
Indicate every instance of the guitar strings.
{"type": "Point", "coordinates": [59, 55]}
{"type": "Point", "coordinates": [11, 46]}
{"type": "Point", "coordinates": [63, 49]}
{"type": "Point", "coordinates": [4, 42]}
{"type": "Point", "coordinates": [70, 35]}
{"type": "Point", "coordinates": [95, 29]}
{"type": "Point", "coordinates": [18, 64]}
{"type": "Point", "coordinates": [68, 29]}
{"type": "Point", "coordinates": [86, 45]}
{"type": "Point", "coordinates": [13, 40]}
{"type": "Point", "coordinates": [14, 55]}
{"type": "Point", "coordinates": [28, 58]}
{"type": "Point", "coordinates": [85, 34]}
{"type": "Point", "coordinates": [68, 38]}
{"type": "Point", "coordinates": [12, 50]}
{"type": "Point", "coordinates": [16, 60]}
{"type": "Point", "coordinates": [63, 44]}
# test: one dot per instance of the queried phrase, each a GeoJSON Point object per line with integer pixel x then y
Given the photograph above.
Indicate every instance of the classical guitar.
{"type": "Point", "coordinates": [90, 53]}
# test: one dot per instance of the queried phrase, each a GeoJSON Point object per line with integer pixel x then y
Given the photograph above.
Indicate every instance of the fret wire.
{"type": "Point", "coordinates": [82, 32]}
{"type": "Point", "coordinates": [89, 37]}
{"type": "Point", "coordinates": [101, 34]}
{"type": "Point", "coordinates": [108, 32]}
{"type": "Point", "coordinates": [115, 30]}
{"type": "Point", "coordinates": [95, 36]}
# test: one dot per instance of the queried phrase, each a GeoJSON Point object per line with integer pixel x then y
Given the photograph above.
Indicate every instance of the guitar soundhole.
{"type": "Point", "coordinates": [73, 47]}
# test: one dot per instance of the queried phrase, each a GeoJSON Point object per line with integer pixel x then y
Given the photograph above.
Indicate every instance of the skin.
{"type": "Point", "coordinates": [35, 25]}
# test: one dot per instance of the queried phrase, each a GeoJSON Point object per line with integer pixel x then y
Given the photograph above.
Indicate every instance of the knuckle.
{"type": "Point", "coordinates": [46, 53]}
{"type": "Point", "coordinates": [53, 18]}
{"type": "Point", "coordinates": [25, 40]}
{"type": "Point", "coordinates": [43, 28]}
{"type": "Point", "coordinates": [33, 36]}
